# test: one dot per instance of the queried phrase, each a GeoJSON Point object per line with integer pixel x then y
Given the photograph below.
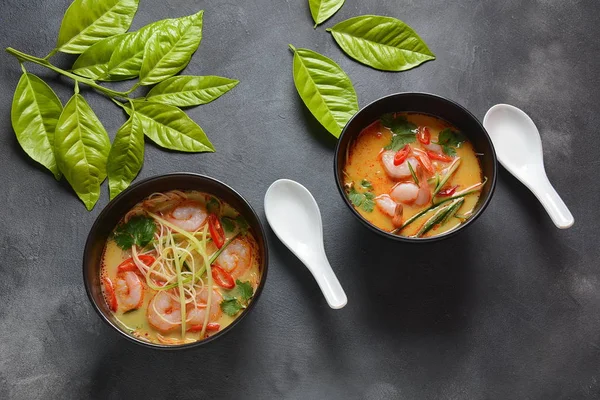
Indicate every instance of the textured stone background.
{"type": "Point", "coordinates": [508, 309]}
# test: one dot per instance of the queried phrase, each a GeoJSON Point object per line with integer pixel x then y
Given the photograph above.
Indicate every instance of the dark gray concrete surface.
{"type": "Point", "coordinates": [509, 309]}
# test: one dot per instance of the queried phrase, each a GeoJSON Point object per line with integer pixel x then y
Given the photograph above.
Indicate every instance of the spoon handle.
{"type": "Point", "coordinates": [554, 205]}
{"type": "Point", "coordinates": [328, 282]}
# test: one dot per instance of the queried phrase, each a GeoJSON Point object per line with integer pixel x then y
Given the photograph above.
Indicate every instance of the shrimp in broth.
{"type": "Point", "coordinates": [179, 267]}
{"type": "Point", "coordinates": [413, 175]}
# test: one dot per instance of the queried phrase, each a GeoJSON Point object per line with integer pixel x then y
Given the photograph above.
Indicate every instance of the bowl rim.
{"type": "Point", "coordinates": [148, 181]}
{"type": "Point", "coordinates": [445, 235]}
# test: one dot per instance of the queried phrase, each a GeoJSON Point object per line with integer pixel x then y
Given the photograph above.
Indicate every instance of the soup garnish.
{"type": "Point", "coordinates": [179, 267]}
{"type": "Point", "coordinates": [413, 175]}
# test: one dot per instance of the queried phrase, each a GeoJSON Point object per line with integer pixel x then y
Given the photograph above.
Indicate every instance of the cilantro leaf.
{"type": "Point", "coordinates": [242, 224]}
{"type": "Point", "coordinates": [399, 141]}
{"type": "Point", "coordinates": [398, 124]}
{"type": "Point", "coordinates": [366, 200]}
{"type": "Point", "coordinates": [228, 224]}
{"type": "Point", "coordinates": [403, 132]}
{"type": "Point", "coordinates": [137, 231]}
{"type": "Point", "coordinates": [450, 140]}
{"type": "Point", "coordinates": [213, 206]}
{"type": "Point", "coordinates": [245, 290]}
{"type": "Point", "coordinates": [369, 204]}
{"type": "Point", "coordinates": [449, 150]}
{"type": "Point", "coordinates": [356, 198]}
{"type": "Point", "coordinates": [231, 306]}
{"type": "Point", "coordinates": [366, 184]}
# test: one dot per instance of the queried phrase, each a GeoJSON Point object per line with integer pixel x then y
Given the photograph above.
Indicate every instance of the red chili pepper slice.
{"type": "Point", "coordinates": [423, 135]}
{"type": "Point", "coordinates": [401, 155]}
{"type": "Point", "coordinates": [437, 156]}
{"type": "Point", "coordinates": [211, 326]}
{"type": "Point", "coordinates": [447, 192]}
{"type": "Point", "coordinates": [216, 230]}
{"type": "Point", "coordinates": [222, 277]}
{"type": "Point", "coordinates": [109, 291]}
{"type": "Point", "coordinates": [129, 264]}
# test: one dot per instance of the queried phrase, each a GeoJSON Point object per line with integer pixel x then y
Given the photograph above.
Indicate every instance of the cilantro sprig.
{"type": "Point", "coordinates": [237, 298]}
{"type": "Point", "coordinates": [137, 231]}
{"type": "Point", "coordinates": [365, 200]}
{"type": "Point", "coordinates": [403, 132]}
{"type": "Point", "coordinates": [231, 224]}
{"type": "Point", "coordinates": [451, 140]}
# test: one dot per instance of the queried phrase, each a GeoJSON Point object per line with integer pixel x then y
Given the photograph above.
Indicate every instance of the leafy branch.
{"type": "Point", "coordinates": [71, 141]}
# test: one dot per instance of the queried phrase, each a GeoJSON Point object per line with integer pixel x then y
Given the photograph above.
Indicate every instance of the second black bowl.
{"type": "Point", "coordinates": [433, 105]}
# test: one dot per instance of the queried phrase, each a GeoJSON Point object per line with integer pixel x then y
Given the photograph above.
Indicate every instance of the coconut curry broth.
{"type": "Point", "coordinates": [235, 273]}
{"type": "Point", "coordinates": [365, 173]}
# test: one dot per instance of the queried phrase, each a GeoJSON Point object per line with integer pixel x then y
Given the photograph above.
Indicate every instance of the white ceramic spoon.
{"type": "Point", "coordinates": [294, 216]}
{"type": "Point", "coordinates": [519, 148]}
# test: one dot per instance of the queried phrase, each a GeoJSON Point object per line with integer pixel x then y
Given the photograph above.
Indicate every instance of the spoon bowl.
{"type": "Point", "coordinates": [519, 150]}
{"type": "Point", "coordinates": [294, 216]}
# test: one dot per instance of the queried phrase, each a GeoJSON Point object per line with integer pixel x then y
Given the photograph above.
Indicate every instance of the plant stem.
{"type": "Point", "coordinates": [44, 63]}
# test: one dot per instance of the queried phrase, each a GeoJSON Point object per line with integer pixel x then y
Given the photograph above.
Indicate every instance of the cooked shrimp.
{"type": "Point", "coordinates": [188, 215]}
{"type": "Point", "coordinates": [236, 258]}
{"type": "Point", "coordinates": [389, 207]}
{"type": "Point", "coordinates": [129, 290]}
{"type": "Point", "coordinates": [433, 147]}
{"type": "Point", "coordinates": [397, 171]}
{"type": "Point", "coordinates": [424, 195]}
{"type": "Point", "coordinates": [196, 313]}
{"type": "Point", "coordinates": [164, 312]}
{"type": "Point", "coordinates": [406, 192]}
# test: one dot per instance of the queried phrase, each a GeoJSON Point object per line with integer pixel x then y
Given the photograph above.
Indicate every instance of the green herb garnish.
{"type": "Point", "coordinates": [366, 200]}
{"type": "Point", "coordinates": [237, 298]}
{"type": "Point", "coordinates": [228, 224]}
{"type": "Point", "coordinates": [450, 140]}
{"type": "Point", "coordinates": [412, 172]}
{"type": "Point", "coordinates": [213, 206]}
{"type": "Point", "coordinates": [366, 184]}
{"type": "Point", "coordinates": [137, 231]}
{"type": "Point", "coordinates": [403, 132]}
{"type": "Point", "coordinates": [245, 290]}
{"type": "Point", "coordinates": [231, 306]}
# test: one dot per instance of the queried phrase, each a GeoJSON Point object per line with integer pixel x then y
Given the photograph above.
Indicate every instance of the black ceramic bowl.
{"type": "Point", "coordinates": [436, 106]}
{"type": "Point", "coordinates": [116, 209]}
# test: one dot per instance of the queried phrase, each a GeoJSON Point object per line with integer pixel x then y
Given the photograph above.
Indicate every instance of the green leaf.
{"type": "Point", "coordinates": [186, 91]}
{"type": "Point", "coordinates": [228, 224]}
{"type": "Point", "coordinates": [366, 184]}
{"type": "Point", "coordinates": [356, 198]}
{"type": "Point", "coordinates": [245, 290]}
{"type": "Point", "coordinates": [93, 63]}
{"type": "Point", "coordinates": [82, 148]}
{"type": "Point", "coordinates": [403, 132]}
{"type": "Point", "coordinates": [126, 156]}
{"type": "Point", "coordinates": [231, 306]}
{"type": "Point", "coordinates": [399, 141]}
{"type": "Point", "coordinates": [138, 230]}
{"type": "Point", "coordinates": [398, 124]}
{"type": "Point", "coordinates": [369, 203]}
{"type": "Point", "coordinates": [322, 10]}
{"type": "Point", "coordinates": [366, 200]}
{"type": "Point", "coordinates": [34, 114]}
{"type": "Point", "coordinates": [450, 140]}
{"type": "Point", "coordinates": [383, 43]}
{"type": "Point", "coordinates": [89, 21]}
{"type": "Point", "coordinates": [171, 128]}
{"type": "Point", "coordinates": [169, 50]}
{"type": "Point", "coordinates": [126, 60]}
{"type": "Point", "coordinates": [213, 206]}
{"type": "Point", "coordinates": [325, 89]}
